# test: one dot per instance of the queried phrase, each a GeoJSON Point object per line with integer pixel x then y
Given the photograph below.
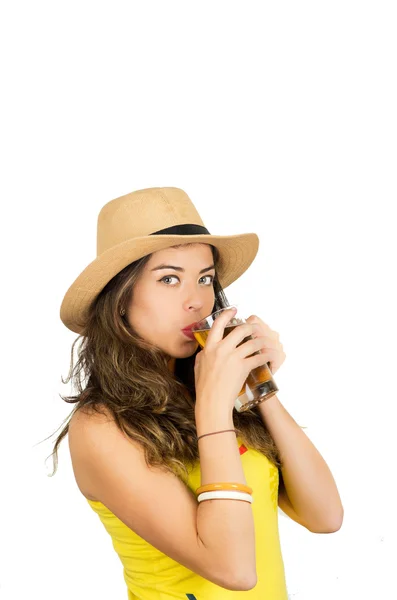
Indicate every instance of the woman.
{"type": "Point", "coordinates": [154, 419]}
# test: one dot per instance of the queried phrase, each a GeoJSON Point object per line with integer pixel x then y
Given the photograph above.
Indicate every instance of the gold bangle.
{"type": "Point", "coordinates": [209, 487]}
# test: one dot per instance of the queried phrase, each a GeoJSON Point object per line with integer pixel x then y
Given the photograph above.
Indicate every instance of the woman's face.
{"type": "Point", "coordinates": [174, 290]}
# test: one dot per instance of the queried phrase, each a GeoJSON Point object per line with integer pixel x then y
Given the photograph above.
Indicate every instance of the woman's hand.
{"type": "Point", "coordinates": [273, 350]}
{"type": "Point", "coordinates": [224, 363]}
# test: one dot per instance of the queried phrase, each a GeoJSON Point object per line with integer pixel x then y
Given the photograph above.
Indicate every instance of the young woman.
{"type": "Point", "coordinates": [154, 428]}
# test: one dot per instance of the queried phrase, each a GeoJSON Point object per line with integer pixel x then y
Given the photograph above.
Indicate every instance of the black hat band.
{"type": "Point", "coordinates": [185, 229]}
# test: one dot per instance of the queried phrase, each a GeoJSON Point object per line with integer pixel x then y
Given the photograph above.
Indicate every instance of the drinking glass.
{"type": "Point", "coordinates": [259, 385]}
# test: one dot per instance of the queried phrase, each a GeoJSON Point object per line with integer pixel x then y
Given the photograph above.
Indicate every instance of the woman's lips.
{"type": "Point", "coordinates": [188, 333]}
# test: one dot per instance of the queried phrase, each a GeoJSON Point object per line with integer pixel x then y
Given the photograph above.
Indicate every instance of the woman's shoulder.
{"type": "Point", "coordinates": [86, 419]}
{"type": "Point", "coordinates": [88, 413]}
{"type": "Point", "coordinates": [81, 427]}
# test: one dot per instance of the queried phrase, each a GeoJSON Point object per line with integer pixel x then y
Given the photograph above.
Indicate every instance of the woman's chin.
{"type": "Point", "coordinates": [184, 351]}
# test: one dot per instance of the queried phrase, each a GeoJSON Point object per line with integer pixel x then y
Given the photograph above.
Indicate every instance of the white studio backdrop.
{"type": "Point", "coordinates": [277, 118]}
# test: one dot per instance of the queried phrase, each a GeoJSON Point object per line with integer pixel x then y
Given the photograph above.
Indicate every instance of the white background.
{"type": "Point", "coordinates": [278, 118]}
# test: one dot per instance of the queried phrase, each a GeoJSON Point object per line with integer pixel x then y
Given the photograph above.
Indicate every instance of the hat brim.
{"type": "Point", "coordinates": [237, 252]}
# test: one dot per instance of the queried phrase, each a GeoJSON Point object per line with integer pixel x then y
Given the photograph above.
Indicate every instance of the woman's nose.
{"type": "Point", "coordinates": [194, 299]}
{"type": "Point", "coordinates": [193, 304]}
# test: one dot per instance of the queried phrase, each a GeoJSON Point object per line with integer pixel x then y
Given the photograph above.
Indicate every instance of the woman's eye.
{"type": "Point", "coordinates": [211, 278]}
{"type": "Point", "coordinates": [175, 277]}
{"type": "Point", "coordinates": [169, 277]}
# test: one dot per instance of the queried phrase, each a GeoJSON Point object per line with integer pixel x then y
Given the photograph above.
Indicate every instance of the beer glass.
{"type": "Point", "coordinates": [259, 385]}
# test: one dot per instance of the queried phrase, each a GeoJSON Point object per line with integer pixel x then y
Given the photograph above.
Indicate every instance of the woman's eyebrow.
{"type": "Point", "coordinates": [180, 268]}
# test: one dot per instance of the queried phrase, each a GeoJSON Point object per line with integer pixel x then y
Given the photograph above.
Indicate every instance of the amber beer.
{"type": "Point", "coordinates": [259, 384]}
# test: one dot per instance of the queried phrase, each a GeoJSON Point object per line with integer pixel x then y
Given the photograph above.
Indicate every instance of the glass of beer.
{"type": "Point", "coordinates": [259, 385]}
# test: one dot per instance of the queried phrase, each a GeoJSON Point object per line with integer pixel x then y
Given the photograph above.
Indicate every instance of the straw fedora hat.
{"type": "Point", "coordinates": [143, 222]}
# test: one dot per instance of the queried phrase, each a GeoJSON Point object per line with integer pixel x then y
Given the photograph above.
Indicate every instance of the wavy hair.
{"type": "Point", "coordinates": [117, 369]}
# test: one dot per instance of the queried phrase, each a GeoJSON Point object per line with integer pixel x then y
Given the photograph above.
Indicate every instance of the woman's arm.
{"type": "Point", "coordinates": [307, 481]}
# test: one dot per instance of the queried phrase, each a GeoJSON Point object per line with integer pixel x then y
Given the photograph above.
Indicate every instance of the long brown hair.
{"type": "Point", "coordinates": [119, 370]}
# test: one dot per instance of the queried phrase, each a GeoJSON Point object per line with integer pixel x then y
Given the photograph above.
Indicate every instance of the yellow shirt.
{"type": "Point", "coordinates": [152, 575]}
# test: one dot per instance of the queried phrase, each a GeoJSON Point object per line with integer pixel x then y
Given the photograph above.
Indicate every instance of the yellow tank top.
{"type": "Point", "coordinates": [152, 575]}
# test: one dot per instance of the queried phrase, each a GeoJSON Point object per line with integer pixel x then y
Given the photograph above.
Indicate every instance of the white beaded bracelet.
{"type": "Point", "coordinates": [224, 494]}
